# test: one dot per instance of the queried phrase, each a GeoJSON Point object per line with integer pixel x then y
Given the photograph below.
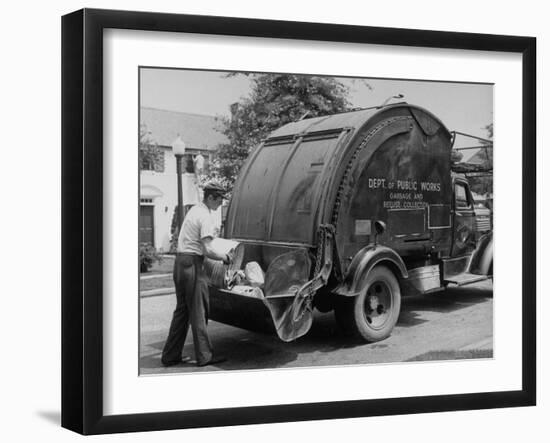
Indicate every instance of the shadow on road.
{"type": "Point", "coordinates": [325, 335]}
{"type": "Point", "coordinates": [244, 350]}
{"type": "Point", "coordinates": [251, 350]}
{"type": "Point", "coordinates": [449, 300]}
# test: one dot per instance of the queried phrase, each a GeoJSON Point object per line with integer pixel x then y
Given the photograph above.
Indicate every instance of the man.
{"type": "Point", "coordinates": [194, 243]}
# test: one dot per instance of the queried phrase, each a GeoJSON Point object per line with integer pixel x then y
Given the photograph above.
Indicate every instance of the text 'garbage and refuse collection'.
{"type": "Point", "coordinates": [406, 194]}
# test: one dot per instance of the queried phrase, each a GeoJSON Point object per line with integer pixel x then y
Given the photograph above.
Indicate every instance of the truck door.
{"type": "Point", "coordinates": [463, 220]}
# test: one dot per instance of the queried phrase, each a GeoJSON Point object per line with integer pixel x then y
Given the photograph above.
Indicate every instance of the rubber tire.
{"type": "Point", "coordinates": [350, 314]}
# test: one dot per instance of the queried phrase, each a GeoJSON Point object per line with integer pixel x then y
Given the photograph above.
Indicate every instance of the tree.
{"type": "Point", "coordinates": [275, 99]}
{"type": "Point", "coordinates": [150, 155]}
{"type": "Point", "coordinates": [488, 153]}
{"type": "Point", "coordinates": [483, 184]}
{"type": "Point", "coordinates": [489, 129]}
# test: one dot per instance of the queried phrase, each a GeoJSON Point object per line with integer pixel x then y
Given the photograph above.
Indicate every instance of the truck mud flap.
{"type": "Point", "coordinates": [279, 309]}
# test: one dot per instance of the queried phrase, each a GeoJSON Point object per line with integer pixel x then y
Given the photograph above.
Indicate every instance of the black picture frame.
{"type": "Point", "coordinates": [82, 220]}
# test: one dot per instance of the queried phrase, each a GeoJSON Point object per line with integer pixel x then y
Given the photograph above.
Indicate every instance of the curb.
{"type": "Point", "coordinates": [149, 277]}
{"type": "Point", "coordinates": [157, 292]}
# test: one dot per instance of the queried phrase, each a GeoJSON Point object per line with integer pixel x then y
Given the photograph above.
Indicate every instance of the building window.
{"type": "Point", "coordinates": [189, 162]}
{"type": "Point", "coordinates": [188, 165]}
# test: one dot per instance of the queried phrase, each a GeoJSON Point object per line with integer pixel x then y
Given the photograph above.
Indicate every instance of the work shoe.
{"type": "Point", "coordinates": [215, 359]}
{"type": "Point", "coordinates": [182, 360]}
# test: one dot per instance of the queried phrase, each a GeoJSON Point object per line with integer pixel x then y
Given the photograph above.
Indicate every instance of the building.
{"type": "Point", "coordinates": [158, 179]}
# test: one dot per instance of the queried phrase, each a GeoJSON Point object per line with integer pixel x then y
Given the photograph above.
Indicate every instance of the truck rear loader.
{"type": "Point", "coordinates": [349, 212]}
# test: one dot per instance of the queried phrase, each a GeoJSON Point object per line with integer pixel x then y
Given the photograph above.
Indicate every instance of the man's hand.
{"type": "Point", "coordinates": [212, 253]}
{"type": "Point", "coordinates": [229, 257]}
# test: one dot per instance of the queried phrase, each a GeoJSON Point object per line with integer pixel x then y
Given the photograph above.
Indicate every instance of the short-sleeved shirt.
{"type": "Point", "coordinates": [199, 223]}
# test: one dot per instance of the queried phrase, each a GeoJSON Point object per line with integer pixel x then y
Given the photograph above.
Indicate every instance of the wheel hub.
{"type": "Point", "coordinates": [373, 303]}
{"type": "Point", "coordinates": [377, 304]}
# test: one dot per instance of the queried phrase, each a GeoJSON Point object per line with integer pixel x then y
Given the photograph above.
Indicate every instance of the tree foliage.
{"type": "Point", "coordinates": [150, 155]}
{"type": "Point", "coordinates": [489, 129]}
{"type": "Point", "coordinates": [275, 99]}
{"type": "Point", "coordinates": [483, 184]}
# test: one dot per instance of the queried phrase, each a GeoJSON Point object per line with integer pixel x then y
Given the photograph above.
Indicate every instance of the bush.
{"type": "Point", "coordinates": [147, 256]}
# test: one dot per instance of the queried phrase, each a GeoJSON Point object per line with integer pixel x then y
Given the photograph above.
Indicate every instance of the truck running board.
{"type": "Point", "coordinates": [465, 279]}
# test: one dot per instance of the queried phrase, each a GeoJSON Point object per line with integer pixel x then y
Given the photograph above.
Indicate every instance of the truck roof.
{"type": "Point", "coordinates": [351, 119]}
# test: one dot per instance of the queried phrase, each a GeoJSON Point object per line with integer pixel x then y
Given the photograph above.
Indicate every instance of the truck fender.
{"type": "Point", "coordinates": [482, 259]}
{"type": "Point", "coordinates": [366, 259]}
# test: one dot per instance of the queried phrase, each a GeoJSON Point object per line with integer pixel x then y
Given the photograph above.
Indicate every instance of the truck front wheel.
{"type": "Point", "coordinates": [373, 313]}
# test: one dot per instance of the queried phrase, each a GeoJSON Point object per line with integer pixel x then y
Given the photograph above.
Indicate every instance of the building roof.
{"type": "Point", "coordinates": [197, 131]}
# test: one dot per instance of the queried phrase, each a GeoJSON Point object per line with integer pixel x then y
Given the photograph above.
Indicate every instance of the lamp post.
{"type": "Point", "coordinates": [178, 147]}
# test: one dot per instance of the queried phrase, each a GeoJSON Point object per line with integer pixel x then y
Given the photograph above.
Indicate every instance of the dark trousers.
{"type": "Point", "coordinates": [191, 308]}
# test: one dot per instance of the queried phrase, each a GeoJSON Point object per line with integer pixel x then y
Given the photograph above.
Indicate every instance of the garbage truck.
{"type": "Point", "coordinates": [347, 213]}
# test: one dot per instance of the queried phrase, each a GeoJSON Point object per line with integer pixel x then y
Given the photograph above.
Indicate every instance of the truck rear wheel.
{"type": "Point", "coordinates": [372, 315]}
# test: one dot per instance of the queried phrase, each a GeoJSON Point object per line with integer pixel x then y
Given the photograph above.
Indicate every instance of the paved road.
{"type": "Point", "coordinates": [454, 324]}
